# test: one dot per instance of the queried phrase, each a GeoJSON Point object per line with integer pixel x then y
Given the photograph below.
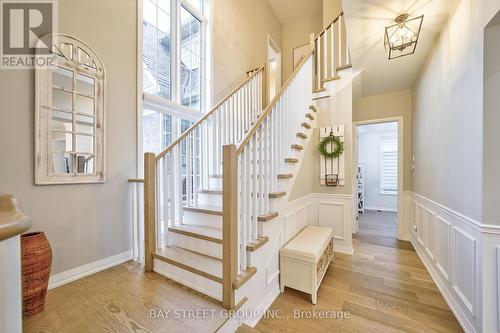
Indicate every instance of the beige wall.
{"type": "Point", "coordinates": [332, 111]}
{"type": "Point", "coordinates": [297, 33]}
{"type": "Point", "coordinates": [239, 40]}
{"type": "Point", "coordinates": [393, 104]}
{"type": "Point", "coordinates": [448, 113]}
{"type": "Point", "coordinates": [331, 10]}
{"type": "Point", "coordinates": [84, 223]}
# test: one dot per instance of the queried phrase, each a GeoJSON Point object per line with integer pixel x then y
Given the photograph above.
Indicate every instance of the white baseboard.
{"type": "Point", "coordinates": [76, 273]}
{"type": "Point", "coordinates": [383, 209]}
{"type": "Point", "coordinates": [455, 308]}
{"type": "Point", "coordinates": [265, 305]}
{"type": "Point", "coordinates": [343, 249]}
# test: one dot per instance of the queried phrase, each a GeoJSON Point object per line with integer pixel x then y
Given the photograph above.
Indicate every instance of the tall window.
{"type": "Point", "coordinates": [157, 48]}
{"type": "Point", "coordinates": [173, 41]}
{"type": "Point", "coordinates": [389, 164]}
{"type": "Point", "coordinates": [174, 44]}
{"type": "Point", "coordinates": [190, 59]}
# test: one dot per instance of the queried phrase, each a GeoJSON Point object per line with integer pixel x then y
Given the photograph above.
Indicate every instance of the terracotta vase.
{"type": "Point", "coordinates": [36, 260]}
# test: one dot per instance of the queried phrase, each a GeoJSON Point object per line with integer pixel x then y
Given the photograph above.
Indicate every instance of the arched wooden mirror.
{"type": "Point", "coordinates": [70, 115]}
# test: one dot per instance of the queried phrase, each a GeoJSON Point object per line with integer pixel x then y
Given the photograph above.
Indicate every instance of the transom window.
{"type": "Point", "coordinates": [70, 115]}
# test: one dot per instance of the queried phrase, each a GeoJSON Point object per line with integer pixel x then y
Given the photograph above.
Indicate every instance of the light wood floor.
{"type": "Point", "coordinates": [119, 300]}
{"type": "Point", "coordinates": [384, 286]}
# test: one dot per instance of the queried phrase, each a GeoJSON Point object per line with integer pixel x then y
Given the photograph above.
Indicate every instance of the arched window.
{"type": "Point", "coordinates": [70, 115]}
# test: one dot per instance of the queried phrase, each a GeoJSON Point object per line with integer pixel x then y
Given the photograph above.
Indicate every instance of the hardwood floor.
{"type": "Point", "coordinates": [119, 300]}
{"type": "Point", "coordinates": [384, 286]}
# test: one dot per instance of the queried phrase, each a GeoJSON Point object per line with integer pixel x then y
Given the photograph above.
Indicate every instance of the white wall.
{"type": "Point", "coordinates": [451, 120]}
{"type": "Point", "coordinates": [491, 121]}
{"type": "Point", "coordinates": [369, 137]}
{"type": "Point", "coordinates": [448, 116]}
{"type": "Point", "coordinates": [84, 223]}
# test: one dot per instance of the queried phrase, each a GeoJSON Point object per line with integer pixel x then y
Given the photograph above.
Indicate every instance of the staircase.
{"type": "Point", "coordinates": [212, 196]}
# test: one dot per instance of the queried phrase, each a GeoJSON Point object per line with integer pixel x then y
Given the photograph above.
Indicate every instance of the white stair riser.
{"type": "Point", "coordinates": [210, 199]}
{"type": "Point", "coordinates": [215, 183]}
{"type": "Point", "coordinates": [196, 245]}
{"type": "Point", "coordinates": [191, 280]}
{"type": "Point", "coordinates": [207, 220]}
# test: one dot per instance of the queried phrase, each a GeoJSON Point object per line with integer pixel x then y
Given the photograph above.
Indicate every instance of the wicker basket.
{"type": "Point", "coordinates": [323, 262]}
{"type": "Point", "coordinates": [36, 260]}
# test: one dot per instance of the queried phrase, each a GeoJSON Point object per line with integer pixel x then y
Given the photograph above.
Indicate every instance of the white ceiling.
{"type": "Point", "coordinates": [289, 10]}
{"type": "Point", "coordinates": [366, 22]}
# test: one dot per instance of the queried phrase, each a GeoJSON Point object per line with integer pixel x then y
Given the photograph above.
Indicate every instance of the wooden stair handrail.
{"type": "Point", "coordinates": [328, 26]}
{"type": "Point", "coordinates": [12, 221]}
{"type": "Point", "coordinates": [265, 113]}
{"type": "Point", "coordinates": [208, 114]}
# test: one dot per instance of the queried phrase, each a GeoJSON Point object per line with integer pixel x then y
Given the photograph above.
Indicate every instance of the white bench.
{"type": "Point", "coordinates": [305, 259]}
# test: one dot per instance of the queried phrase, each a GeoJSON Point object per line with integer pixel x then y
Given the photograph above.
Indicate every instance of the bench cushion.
{"type": "Point", "coordinates": [309, 244]}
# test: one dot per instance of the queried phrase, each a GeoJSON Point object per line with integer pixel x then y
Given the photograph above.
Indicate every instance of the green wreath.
{"type": "Point", "coordinates": [339, 147]}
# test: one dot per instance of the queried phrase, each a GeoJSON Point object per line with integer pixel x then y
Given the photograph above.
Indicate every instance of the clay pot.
{"type": "Point", "coordinates": [36, 260]}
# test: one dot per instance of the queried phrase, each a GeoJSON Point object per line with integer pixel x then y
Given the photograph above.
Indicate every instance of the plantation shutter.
{"type": "Point", "coordinates": [388, 165]}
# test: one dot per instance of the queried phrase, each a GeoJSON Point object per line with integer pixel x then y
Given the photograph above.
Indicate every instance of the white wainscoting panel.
{"type": "Point", "coordinates": [442, 238]}
{"type": "Point", "coordinates": [498, 288]}
{"type": "Point", "coordinates": [464, 268]}
{"type": "Point", "coordinates": [329, 214]}
{"type": "Point", "coordinates": [429, 223]}
{"type": "Point", "coordinates": [448, 245]}
{"type": "Point", "coordinates": [329, 210]}
{"type": "Point", "coordinates": [420, 224]}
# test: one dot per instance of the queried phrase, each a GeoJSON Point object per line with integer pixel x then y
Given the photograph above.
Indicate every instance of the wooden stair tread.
{"type": "Point", "coordinates": [259, 242]}
{"type": "Point", "coordinates": [310, 116]}
{"type": "Point", "coordinates": [319, 90]}
{"type": "Point", "coordinates": [302, 135]}
{"type": "Point", "coordinates": [313, 107]}
{"type": "Point", "coordinates": [267, 217]}
{"type": "Point", "coordinates": [320, 97]}
{"type": "Point", "coordinates": [208, 267]}
{"type": "Point", "coordinates": [306, 125]}
{"type": "Point", "coordinates": [198, 231]}
{"type": "Point", "coordinates": [205, 209]}
{"type": "Point", "coordinates": [275, 195]}
{"type": "Point", "coordinates": [246, 329]}
{"type": "Point", "coordinates": [244, 277]}
{"type": "Point", "coordinates": [285, 176]}
{"type": "Point", "coordinates": [332, 78]}
{"type": "Point", "coordinates": [291, 160]}
{"type": "Point", "coordinates": [297, 147]}
{"type": "Point", "coordinates": [339, 68]}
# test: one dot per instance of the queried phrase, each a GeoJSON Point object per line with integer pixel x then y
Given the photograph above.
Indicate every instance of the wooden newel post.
{"type": "Point", "coordinates": [149, 210]}
{"type": "Point", "coordinates": [229, 224]}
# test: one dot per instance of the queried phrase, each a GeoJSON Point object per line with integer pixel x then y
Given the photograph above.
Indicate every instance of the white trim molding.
{"type": "Point", "coordinates": [323, 209]}
{"type": "Point", "coordinates": [80, 272]}
{"type": "Point", "coordinates": [463, 257]}
{"type": "Point", "coordinates": [498, 288]}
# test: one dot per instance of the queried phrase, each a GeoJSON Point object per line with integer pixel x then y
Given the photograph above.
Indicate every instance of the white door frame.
{"type": "Point", "coordinates": [401, 224]}
{"type": "Point", "coordinates": [272, 44]}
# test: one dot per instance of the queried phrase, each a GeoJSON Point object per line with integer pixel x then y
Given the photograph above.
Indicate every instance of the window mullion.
{"type": "Point", "coordinates": [175, 50]}
{"type": "Point", "coordinates": [73, 127]}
